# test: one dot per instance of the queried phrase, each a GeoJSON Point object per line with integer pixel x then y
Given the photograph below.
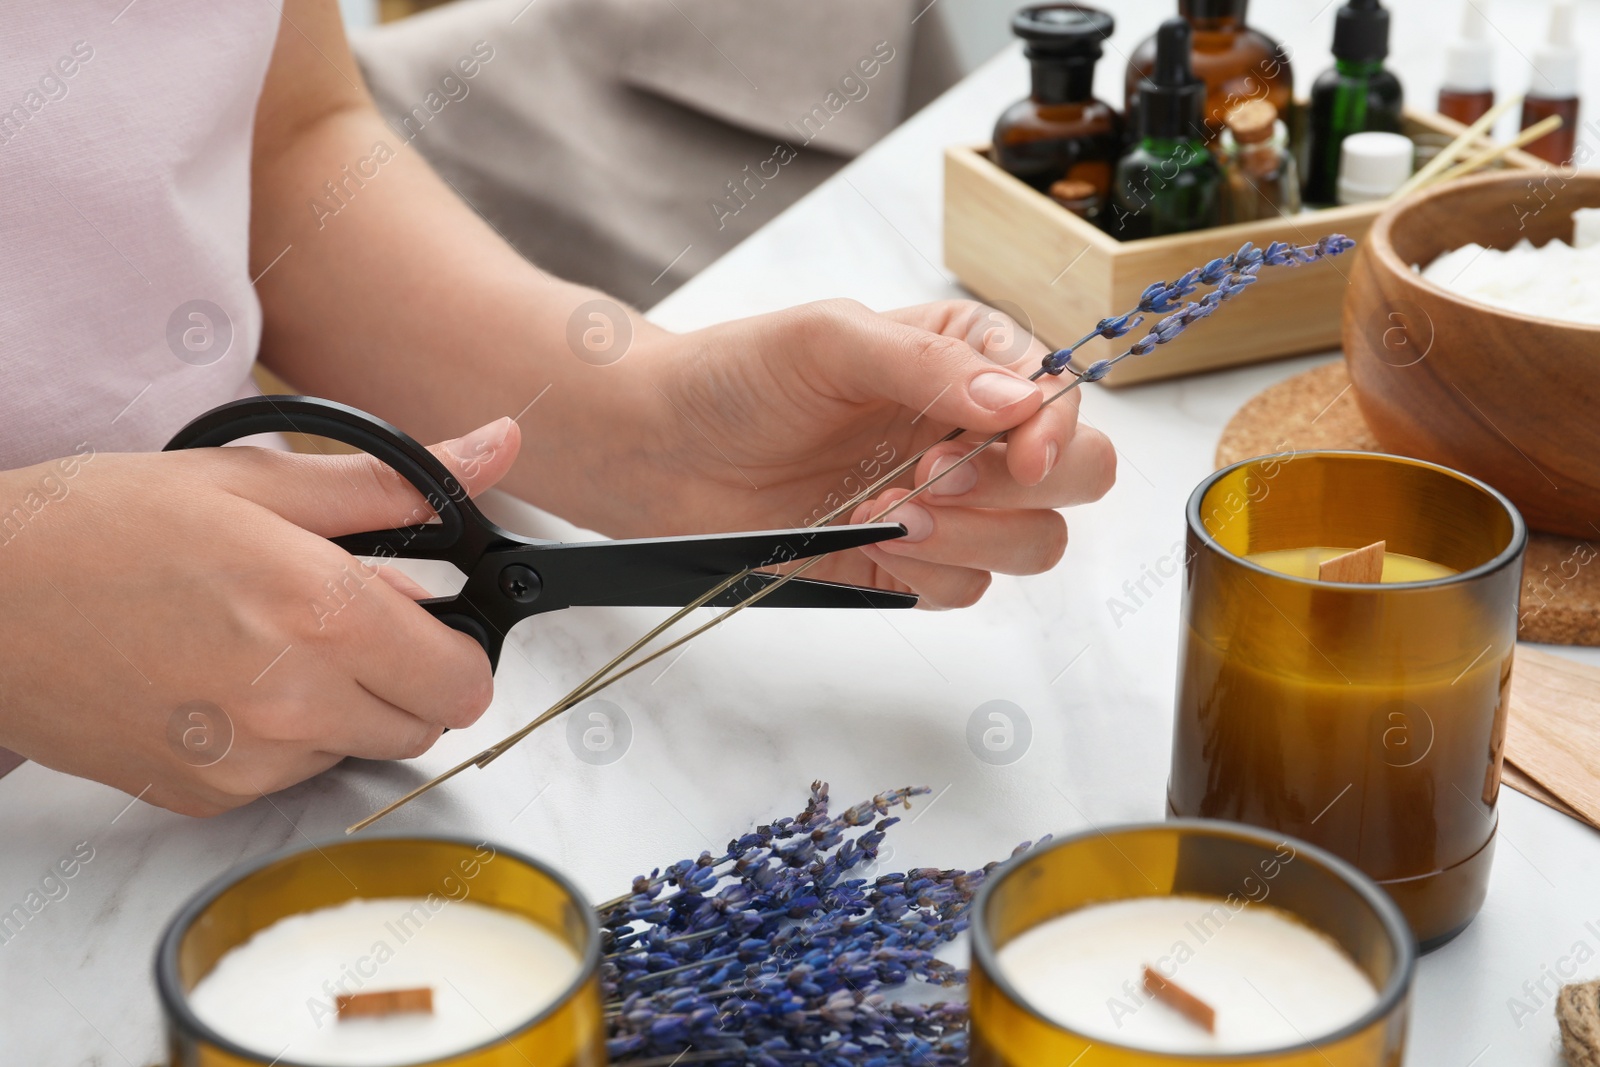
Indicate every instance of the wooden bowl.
{"type": "Point", "coordinates": [1509, 398]}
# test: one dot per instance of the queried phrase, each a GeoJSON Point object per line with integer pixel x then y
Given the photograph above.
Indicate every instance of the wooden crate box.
{"type": "Point", "coordinates": [1015, 247]}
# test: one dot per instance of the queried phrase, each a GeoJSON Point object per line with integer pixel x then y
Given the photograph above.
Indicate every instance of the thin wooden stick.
{"type": "Point", "coordinates": [1451, 152]}
{"type": "Point", "coordinates": [595, 682]}
{"type": "Point", "coordinates": [493, 752]}
{"type": "Point", "coordinates": [1489, 155]}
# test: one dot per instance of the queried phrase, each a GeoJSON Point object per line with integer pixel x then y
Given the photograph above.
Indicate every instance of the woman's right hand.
{"type": "Point", "coordinates": [177, 626]}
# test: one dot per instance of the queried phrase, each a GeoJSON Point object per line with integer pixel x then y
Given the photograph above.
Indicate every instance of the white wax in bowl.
{"type": "Point", "coordinates": [1273, 981]}
{"type": "Point", "coordinates": [1555, 280]}
{"type": "Point", "coordinates": [490, 971]}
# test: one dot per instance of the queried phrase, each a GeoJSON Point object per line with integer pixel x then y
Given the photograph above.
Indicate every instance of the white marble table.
{"type": "Point", "coordinates": [735, 731]}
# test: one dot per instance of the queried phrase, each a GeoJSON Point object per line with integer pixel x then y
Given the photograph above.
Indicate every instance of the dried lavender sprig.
{"type": "Point", "coordinates": [1242, 268]}
{"type": "Point", "coordinates": [1231, 274]}
{"type": "Point", "coordinates": [1159, 296]}
{"type": "Point", "coordinates": [800, 978]}
{"type": "Point", "coordinates": [1162, 297]}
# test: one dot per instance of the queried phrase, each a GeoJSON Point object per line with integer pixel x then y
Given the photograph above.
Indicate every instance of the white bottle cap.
{"type": "Point", "coordinates": [1469, 59]}
{"type": "Point", "coordinates": [1372, 165]}
{"type": "Point", "coordinates": [1555, 63]}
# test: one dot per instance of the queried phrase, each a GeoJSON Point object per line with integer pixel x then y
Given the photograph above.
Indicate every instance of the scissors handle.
{"type": "Point", "coordinates": [458, 534]}
{"type": "Point", "coordinates": [459, 537]}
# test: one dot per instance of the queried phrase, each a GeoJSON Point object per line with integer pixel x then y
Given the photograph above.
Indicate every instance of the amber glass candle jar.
{"type": "Point", "coordinates": [1367, 719]}
{"type": "Point", "coordinates": [569, 1032]}
{"type": "Point", "coordinates": [1184, 859]}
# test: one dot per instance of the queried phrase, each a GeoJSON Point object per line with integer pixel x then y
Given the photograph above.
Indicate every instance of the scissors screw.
{"type": "Point", "coordinates": [520, 583]}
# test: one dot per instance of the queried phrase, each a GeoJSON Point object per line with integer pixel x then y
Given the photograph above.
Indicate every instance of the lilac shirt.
{"type": "Point", "coordinates": [126, 305]}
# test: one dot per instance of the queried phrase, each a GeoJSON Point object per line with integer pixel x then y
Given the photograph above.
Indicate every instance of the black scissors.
{"type": "Point", "coordinates": [510, 577]}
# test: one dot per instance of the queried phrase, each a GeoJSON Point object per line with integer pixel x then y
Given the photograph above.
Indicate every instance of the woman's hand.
{"type": "Point", "coordinates": [774, 421]}
{"type": "Point", "coordinates": [176, 626]}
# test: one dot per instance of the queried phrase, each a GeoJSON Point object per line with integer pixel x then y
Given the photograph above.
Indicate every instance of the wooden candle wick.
{"type": "Point", "coordinates": [1361, 565]}
{"type": "Point", "coordinates": [385, 1002]}
{"type": "Point", "coordinates": [1181, 1000]}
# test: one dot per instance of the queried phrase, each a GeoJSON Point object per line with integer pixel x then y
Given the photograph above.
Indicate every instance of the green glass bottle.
{"type": "Point", "coordinates": [1169, 182]}
{"type": "Point", "coordinates": [1357, 95]}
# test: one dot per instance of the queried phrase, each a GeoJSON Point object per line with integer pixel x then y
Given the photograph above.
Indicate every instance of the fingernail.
{"type": "Point", "coordinates": [485, 438]}
{"type": "Point", "coordinates": [1052, 452]}
{"type": "Point", "coordinates": [917, 521]}
{"type": "Point", "coordinates": [962, 480]}
{"type": "Point", "coordinates": [995, 391]}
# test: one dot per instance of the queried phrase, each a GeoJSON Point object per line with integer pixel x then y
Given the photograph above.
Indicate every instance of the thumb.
{"type": "Point", "coordinates": [334, 495]}
{"type": "Point", "coordinates": [940, 376]}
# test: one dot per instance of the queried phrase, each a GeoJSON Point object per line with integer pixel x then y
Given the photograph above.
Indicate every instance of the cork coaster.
{"type": "Point", "coordinates": [1317, 410]}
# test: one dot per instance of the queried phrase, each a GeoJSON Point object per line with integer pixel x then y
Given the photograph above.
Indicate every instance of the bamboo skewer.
{"type": "Point", "coordinates": [1451, 152]}
{"type": "Point", "coordinates": [1489, 155]}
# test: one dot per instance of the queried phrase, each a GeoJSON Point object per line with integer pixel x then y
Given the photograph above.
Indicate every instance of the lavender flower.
{"type": "Point", "coordinates": [1230, 275]}
{"type": "Point", "coordinates": [770, 954]}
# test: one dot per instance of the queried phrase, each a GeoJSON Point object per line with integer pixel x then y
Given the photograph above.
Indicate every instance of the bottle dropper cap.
{"type": "Point", "coordinates": [1172, 101]}
{"type": "Point", "coordinates": [1555, 63]}
{"type": "Point", "coordinates": [1361, 32]}
{"type": "Point", "coordinates": [1469, 59]}
{"type": "Point", "coordinates": [1372, 165]}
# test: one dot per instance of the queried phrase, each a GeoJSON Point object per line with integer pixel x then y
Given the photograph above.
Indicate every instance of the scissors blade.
{"type": "Point", "coordinates": [677, 570]}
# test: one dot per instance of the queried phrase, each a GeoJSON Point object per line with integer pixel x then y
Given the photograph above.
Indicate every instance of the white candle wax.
{"type": "Point", "coordinates": [490, 972]}
{"type": "Point", "coordinates": [1273, 981]}
{"type": "Point", "coordinates": [1555, 280]}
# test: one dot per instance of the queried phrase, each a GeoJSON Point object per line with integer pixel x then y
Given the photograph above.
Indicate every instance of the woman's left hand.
{"type": "Point", "coordinates": [774, 421]}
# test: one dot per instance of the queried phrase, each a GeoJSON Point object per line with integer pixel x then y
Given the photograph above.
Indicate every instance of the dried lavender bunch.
{"type": "Point", "coordinates": [770, 954]}
{"type": "Point", "coordinates": [1230, 274]}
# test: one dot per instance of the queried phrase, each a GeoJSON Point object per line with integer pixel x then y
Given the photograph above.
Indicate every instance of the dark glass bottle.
{"type": "Point", "coordinates": [1080, 198]}
{"type": "Point", "coordinates": [1236, 62]}
{"type": "Point", "coordinates": [1465, 108]}
{"type": "Point", "coordinates": [1467, 92]}
{"type": "Point", "coordinates": [1060, 131]}
{"type": "Point", "coordinates": [1559, 145]}
{"type": "Point", "coordinates": [1555, 87]}
{"type": "Point", "coordinates": [1358, 94]}
{"type": "Point", "coordinates": [1169, 182]}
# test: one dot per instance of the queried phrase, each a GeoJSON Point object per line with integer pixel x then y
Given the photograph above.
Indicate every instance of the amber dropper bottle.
{"type": "Point", "coordinates": [1554, 90]}
{"type": "Point", "coordinates": [1467, 92]}
{"type": "Point", "coordinates": [1237, 63]}
{"type": "Point", "coordinates": [1060, 132]}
